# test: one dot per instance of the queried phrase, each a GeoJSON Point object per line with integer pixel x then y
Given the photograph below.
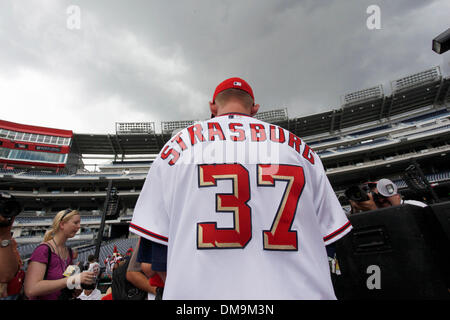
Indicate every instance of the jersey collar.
{"type": "Point", "coordinates": [234, 113]}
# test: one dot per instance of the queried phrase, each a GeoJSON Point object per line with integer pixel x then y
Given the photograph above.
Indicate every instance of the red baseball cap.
{"type": "Point", "coordinates": [233, 83]}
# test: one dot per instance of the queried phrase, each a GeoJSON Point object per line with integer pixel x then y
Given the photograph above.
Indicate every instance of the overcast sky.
{"type": "Point", "coordinates": [139, 61]}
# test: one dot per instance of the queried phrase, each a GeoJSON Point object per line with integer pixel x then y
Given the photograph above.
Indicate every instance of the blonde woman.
{"type": "Point", "coordinates": [45, 282]}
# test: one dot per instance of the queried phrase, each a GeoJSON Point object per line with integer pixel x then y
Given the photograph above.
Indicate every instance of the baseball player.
{"type": "Point", "coordinates": [244, 206]}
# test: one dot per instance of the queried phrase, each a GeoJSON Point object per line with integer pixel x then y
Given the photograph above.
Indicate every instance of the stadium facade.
{"type": "Point", "coordinates": [371, 136]}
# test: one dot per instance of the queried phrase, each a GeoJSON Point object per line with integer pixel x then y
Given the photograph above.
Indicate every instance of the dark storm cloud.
{"type": "Point", "coordinates": [299, 54]}
{"type": "Point", "coordinates": [162, 60]}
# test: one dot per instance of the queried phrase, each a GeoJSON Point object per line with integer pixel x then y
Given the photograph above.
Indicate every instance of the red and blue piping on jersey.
{"type": "Point", "coordinates": [337, 232]}
{"type": "Point", "coordinates": [149, 233]}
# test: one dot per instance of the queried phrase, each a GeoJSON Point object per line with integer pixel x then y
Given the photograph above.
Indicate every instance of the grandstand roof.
{"type": "Point", "coordinates": [385, 108]}
{"type": "Point", "coordinates": [35, 129]}
{"type": "Point", "coordinates": [113, 144]}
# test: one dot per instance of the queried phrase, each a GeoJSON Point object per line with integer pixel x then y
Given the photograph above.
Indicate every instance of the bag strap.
{"type": "Point", "coordinates": [49, 258]}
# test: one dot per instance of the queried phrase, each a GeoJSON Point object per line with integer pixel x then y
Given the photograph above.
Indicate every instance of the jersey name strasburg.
{"type": "Point", "coordinates": [246, 210]}
{"type": "Point", "coordinates": [253, 131]}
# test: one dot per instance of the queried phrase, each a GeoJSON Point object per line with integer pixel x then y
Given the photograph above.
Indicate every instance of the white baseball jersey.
{"type": "Point", "coordinates": [246, 210]}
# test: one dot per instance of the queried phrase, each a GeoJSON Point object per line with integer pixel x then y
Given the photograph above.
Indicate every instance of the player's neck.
{"type": "Point", "coordinates": [233, 107]}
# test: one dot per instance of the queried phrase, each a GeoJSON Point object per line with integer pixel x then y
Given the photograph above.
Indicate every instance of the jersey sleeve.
{"type": "Point", "coordinates": [332, 218]}
{"type": "Point", "coordinates": [150, 219]}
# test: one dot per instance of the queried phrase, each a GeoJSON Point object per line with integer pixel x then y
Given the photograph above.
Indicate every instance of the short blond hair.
{"type": "Point", "coordinates": [223, 97]}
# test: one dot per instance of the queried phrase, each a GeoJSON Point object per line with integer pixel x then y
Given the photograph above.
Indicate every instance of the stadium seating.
{"type": "Point", "coordinates": [428, 116]}
{"type": "Point", "coordinates": [369, 131]}
{"type": "Point", "coordinates": [25, 250]}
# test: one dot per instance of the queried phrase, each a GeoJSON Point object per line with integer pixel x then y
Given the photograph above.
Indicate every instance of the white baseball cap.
{"type": "Point", "coordinates": [386, 187]}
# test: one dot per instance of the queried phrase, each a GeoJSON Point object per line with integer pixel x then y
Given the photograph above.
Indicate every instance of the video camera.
{"type": "Point", "coordinates": [9, 207]}
{"type": "Point", "coordinates": [358, 193]}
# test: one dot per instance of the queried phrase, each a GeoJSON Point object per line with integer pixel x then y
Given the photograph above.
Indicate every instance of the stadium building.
{"type": "Point", "coordinates": [403, 136]}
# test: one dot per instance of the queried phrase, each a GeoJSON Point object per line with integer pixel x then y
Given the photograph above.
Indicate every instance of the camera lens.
{"type": "Point", "coordinates": [10, 209]}
{"type": "Point", "coordinates": [356, 193]}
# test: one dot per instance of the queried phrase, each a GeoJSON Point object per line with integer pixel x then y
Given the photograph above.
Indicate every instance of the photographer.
{"type": "Point", "coordinates": [375, 195]}
{"type": "Point", "coordinates": [361, 197]}
{"type": "Point", "coordinates": [10, 262]}
{"type": "Point", "coordinates": [387, 195]}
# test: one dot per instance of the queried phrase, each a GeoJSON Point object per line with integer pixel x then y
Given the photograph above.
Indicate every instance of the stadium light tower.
{"type": "Point", "coordinates": [441, 43]}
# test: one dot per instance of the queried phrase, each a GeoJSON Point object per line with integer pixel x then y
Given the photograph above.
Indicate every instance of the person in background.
{"type": "Point", "coordinates": [375, 195]}
{"type": "Point", "coordinates": [153, 257]}
{"type": "Point", "coordinates": [361, 197]}
{"type": "Point", "coordinates": [140, 273]}
{"type": "Point", "coordinates": [45, 274]}
{"type": "Point", "coordinates": [388, 195]}
{"type": "Point", "coordinates": [11, 274]}
{"type": "Point", "coordinates": [88, 294]}
{"type": "Point", "coordinates": [91, 292]}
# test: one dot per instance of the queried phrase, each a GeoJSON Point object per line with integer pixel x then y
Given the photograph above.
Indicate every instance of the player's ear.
{"type": "Point", "coordinates": [254, 109]}
{"type": "Point", "coordinates": [213, 108]}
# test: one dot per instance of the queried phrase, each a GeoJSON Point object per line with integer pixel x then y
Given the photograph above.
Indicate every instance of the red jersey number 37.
{"type": "Point", "coordinates": [279, 236]}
